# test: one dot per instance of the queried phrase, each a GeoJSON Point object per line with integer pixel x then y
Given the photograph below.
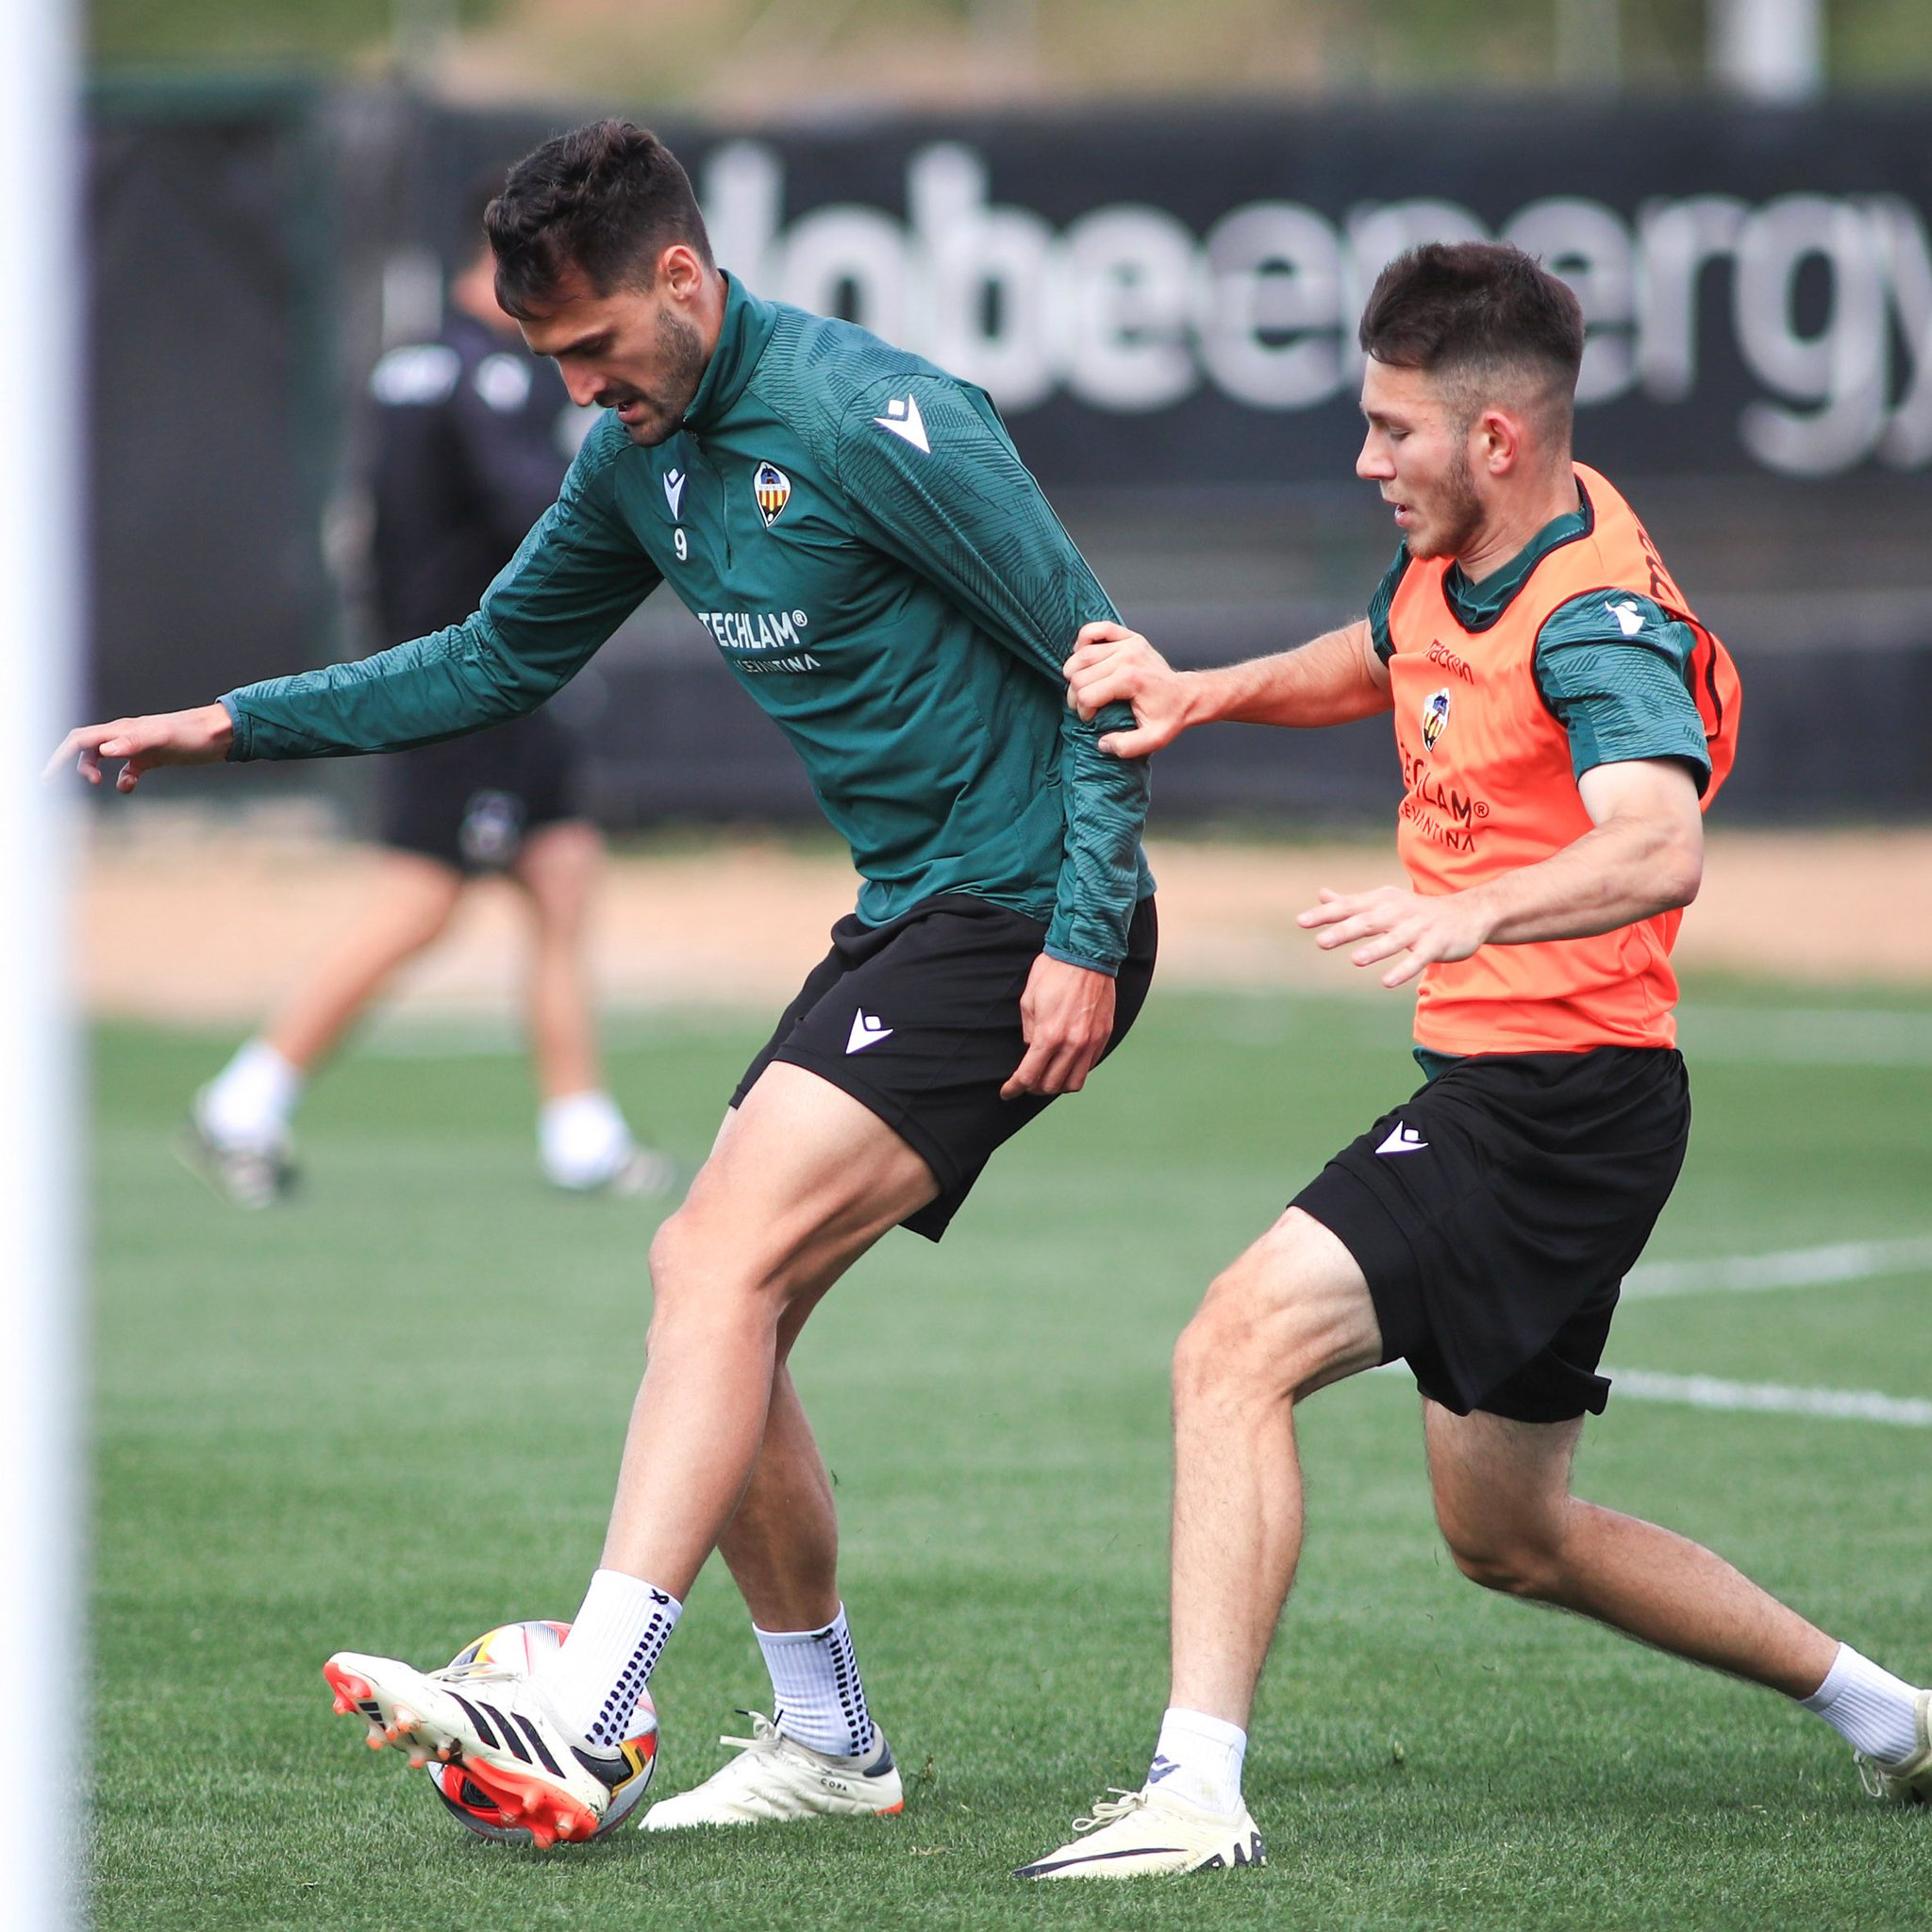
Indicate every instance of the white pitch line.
{"type": "Point", "coordinates": [1785, 1268]}
{"type": "Point", "coordinates": [1760, 1398]}
{"type": "Point", "coordinates": [1773, 1398]}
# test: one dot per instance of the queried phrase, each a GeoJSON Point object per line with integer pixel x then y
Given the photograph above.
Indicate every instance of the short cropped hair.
{"type": "Point", "coordinates": [604, 201]}
{"type": "Point", "coordinates": [1468, 310]}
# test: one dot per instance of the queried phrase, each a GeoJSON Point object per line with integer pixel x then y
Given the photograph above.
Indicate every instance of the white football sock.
{"type": "Point", "coordinates": [1871, 1709]}
{"type": "Point", "coordinates": [817, 1698]}
{"type": "Point", "coordinates": [582, 1139]}
{"type": "Point", "coordinates": [1200, 1757]}
{"type": "Point", "coordinates": [248, 1103]}
{"type": "Point", "coordinates": [595, 1681]}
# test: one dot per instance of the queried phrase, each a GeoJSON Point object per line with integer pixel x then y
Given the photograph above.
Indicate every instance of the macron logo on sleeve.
{"type": "Point", "coordinates": [866, 1031]}
{"type": "Point", "coordinates": [903, 420]}
{"type": "Point", "coordinates": [1630, 617]}
{"type": "Point", "coordinates": [1402, 1140]}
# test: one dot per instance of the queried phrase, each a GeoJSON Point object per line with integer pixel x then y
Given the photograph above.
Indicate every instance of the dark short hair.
{"type": "Point", "coordinates": [1469, 309]}
{"type": "Point", "coordinates": [605, 200]}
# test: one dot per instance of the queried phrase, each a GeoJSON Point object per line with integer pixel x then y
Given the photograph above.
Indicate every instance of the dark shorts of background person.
{"type": "Point", "coordinates": [1496, 1212]}
{"type": "Point", "coordinates": [918, 1020]}
{"type": "Point", "coordinates": [469, 803]}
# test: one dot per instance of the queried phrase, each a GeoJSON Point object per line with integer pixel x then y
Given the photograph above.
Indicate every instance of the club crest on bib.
{"type": "Point", "coordinates": [773, 487]}
{"type": "Point", "coordinates": [1434, 717]}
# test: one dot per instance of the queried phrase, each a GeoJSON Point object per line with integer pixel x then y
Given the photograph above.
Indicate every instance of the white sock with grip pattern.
{"type": "Point", "coordinates": [818, 1699]}
{"type": "Point", "coordinates": [595, 1681]}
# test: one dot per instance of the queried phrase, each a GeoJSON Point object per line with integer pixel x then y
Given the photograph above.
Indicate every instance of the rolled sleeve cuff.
{"type": "Point", "coordinates": [240, 744]}
{"type": "Point", "coordinates": [1069, 957]}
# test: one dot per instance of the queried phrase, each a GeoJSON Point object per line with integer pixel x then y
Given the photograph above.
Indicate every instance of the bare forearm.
{"type": "Point", "coordinates": [1643, 855]}
{"type": "Point", "coordinates": [1326, 681]}
{"type": "Point", "coordinates": [1618, 873]}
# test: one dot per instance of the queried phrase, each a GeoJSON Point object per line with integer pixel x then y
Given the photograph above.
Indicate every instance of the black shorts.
{"type": "Point", "coordinates": [918, 1020]}
{"type": "Point", "coordinates": [1496, 1213]}
{"type": "Point", "coordinates": [469, 803]}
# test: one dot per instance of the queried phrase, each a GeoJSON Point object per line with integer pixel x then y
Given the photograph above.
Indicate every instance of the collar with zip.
{"type": "Point", "coordinates": [741, 337]}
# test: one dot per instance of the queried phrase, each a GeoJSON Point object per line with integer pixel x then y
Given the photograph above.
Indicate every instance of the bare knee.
{"type": "Point", "coordinates": [700, 1276]}
{"type": "Point", "coordinates": [1245, 1340]}
{"type": "Point", "coordinates": [685, 1267]}
{"type": "Point", "coordinates": [1513, 1563]}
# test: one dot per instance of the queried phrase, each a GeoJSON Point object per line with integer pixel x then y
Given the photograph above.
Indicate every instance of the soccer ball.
{"type": "Point", "coordinates": [521, 1647]}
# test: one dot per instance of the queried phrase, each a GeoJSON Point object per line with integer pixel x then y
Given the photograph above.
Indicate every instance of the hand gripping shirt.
{"type": "Point", "coordinates": [881, 574]}
{"type": "Point", "coordinates": [1582, 652]}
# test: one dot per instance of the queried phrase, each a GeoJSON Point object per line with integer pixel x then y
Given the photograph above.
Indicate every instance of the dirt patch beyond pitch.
{"type": "Point", "coordinates": [183, 922]}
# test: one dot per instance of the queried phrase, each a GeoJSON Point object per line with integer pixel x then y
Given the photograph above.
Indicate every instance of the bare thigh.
{"type": "Point", "coordinates": [801, 1179]}
{"type": "Point", "coordinates": [558, 868]}
{"type": "Point", "coordinates": [1499, 1486]}
{"type": "Point", "coordinates": [1292, 1312]}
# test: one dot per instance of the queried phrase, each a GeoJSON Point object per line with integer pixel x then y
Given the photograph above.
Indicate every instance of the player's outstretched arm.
{"type": "Point", "coordinates": [578, 574]}
{"type": "Point", "coordinates": [200, 736]}
{"type": "Point", "coordinates": [1333, 679]}
{"type": "Point", "coordinates": [1643, 855]}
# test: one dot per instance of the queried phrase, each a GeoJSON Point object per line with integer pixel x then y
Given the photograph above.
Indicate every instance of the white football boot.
{"type": "Point", "coordinates": [645, 1174]}
{"type": "Point", "coordinates": [251, 1174]}
{"type": "Point", "coordinates": [1134, 1834]}
{"type": "Point", "coordinates": [633, 1172]}
{"type": "Point", "coordinates": [774, 1778]}
{"type": "Point", "coordinates": [1909, 1783]}
{"type": "Point", "coordinates": [497, 1724]}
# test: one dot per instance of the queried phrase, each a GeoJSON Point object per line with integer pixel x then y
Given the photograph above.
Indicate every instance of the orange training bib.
{"type": "Point", "coordinates": [1489, 788]}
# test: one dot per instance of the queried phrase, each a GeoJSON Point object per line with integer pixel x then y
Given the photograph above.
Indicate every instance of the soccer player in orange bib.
{"type": "Point", "coordinates": [1561, 718]}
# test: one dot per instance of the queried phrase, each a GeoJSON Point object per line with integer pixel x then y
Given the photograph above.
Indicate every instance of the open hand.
{"type": "Point", "coordinates": [200, 736]}
{"type": "Point", "coordinates": [1389, 919]}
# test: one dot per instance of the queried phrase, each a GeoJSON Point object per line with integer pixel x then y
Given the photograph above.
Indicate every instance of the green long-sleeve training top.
{"type": "Point", "coordinates": [855, 530]}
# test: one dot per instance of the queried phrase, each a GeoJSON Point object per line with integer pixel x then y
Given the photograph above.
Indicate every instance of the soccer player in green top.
{"type": "Point", "coordinates": [855, 529]}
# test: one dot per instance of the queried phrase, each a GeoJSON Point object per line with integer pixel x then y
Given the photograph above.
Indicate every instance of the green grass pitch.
{"type": "Point", "coordinates": [388, 1418]}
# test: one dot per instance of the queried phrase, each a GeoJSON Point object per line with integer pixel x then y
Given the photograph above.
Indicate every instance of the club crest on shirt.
{"type": "Point", "coordinates": [773, 487]}
{"type": "Point", "coordinates": [1434, 717]}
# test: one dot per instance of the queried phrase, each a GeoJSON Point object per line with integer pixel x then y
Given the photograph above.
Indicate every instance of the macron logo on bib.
{"type": "Point", "coordinates": [1402, 1140]}
{"type": "Point", "coordinates": [866, 1031]}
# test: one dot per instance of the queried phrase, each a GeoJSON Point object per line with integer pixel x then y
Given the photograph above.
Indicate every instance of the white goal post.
{"type": "Point", "coordinates": [41, 426]}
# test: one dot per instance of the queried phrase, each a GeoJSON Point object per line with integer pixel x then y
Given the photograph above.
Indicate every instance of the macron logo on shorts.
{"type": "Point", "coordinates": [866, 1031]}
{"type": "Point", "coordinates": [1402, 1140]}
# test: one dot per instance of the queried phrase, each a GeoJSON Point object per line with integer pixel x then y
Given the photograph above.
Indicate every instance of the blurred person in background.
{"type": "Point", "coordinates": [472, 437]}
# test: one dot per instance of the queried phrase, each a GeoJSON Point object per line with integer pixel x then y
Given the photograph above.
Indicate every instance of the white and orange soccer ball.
{"type": "Point", "coordinates": [520, 1648]}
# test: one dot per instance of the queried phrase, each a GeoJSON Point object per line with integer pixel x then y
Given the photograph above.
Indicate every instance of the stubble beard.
{"type": "Point", "coordinates": [683, 350]}
{"type": "Point", "coordinates": [1455, 523]}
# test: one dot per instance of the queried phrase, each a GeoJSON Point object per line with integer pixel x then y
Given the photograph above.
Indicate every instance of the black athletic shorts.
{"type": "Point", "coordinates": [469, 801]}
{"type": "Point", "coordinates": [918, 1020]}
{"type": "Point", "coordinates": [1497, 1211]}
